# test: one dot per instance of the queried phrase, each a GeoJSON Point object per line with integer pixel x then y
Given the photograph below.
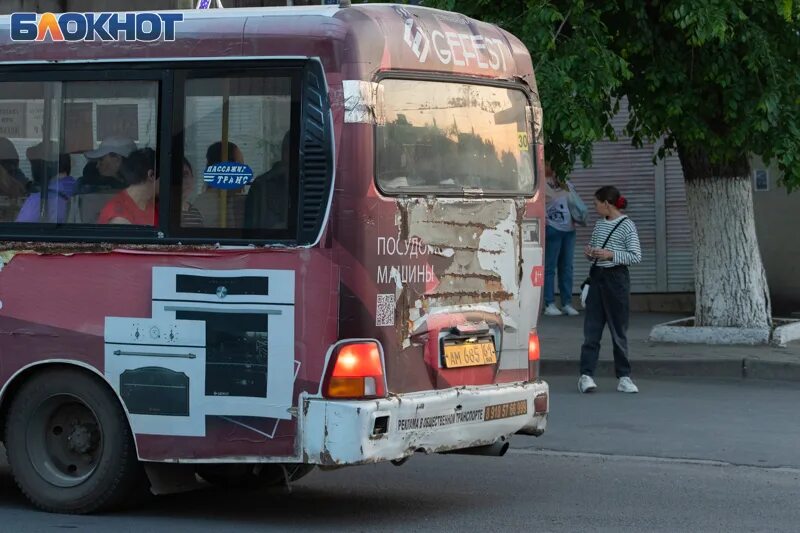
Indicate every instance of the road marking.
{"type": "Point", "coordinates": [648, 458]}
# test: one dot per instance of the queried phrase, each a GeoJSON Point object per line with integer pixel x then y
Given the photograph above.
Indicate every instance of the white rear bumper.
{"type": "Point", "coordinates": [338, 432]}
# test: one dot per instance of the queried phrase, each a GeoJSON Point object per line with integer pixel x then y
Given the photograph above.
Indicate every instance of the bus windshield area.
{"type": "Point", "coordinates": [453, 138]}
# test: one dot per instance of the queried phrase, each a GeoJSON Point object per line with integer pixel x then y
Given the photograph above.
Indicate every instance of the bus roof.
{"type": "Point", "coordinates": [377, 37]}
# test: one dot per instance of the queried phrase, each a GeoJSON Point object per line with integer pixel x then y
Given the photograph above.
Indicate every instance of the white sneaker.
{"type": "Point", "coordinates": [570, 311]}
{"type": "Point", "coordinates": [627, 385]}
{"type": "Point", "coordinates": [552, 310]}
{"type": "Point", "coordinates": [586, 384]}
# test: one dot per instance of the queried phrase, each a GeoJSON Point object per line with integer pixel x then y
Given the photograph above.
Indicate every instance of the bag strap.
{"type": "Point", "coordinates": [610, 234]}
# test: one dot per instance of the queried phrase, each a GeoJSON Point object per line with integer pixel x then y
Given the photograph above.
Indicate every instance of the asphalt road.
{"type": "Point", "coordinates": [737, 421]}
{"type": "Point", "coordinates": [681, 456]}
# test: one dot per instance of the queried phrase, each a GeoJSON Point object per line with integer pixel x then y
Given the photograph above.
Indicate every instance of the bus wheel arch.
{"type": "Point", "coordinates": [68, 439]}
{"type": "Point", "coordinates": [11, 387]}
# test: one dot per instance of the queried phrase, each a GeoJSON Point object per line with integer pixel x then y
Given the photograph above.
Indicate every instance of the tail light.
{"type": "Point", "coordinates": [534, 351]}
{"type": "Point", "coordinates": [355, 371]}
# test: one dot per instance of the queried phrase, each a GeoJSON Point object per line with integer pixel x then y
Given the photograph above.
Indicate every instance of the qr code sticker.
{"type": "Point", "coordinates": [384, 310]}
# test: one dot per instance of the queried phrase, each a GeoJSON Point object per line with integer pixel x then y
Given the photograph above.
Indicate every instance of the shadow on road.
{"type": "Point", "coordinates": [318, 501]}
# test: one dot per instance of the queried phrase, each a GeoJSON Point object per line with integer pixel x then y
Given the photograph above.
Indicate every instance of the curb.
{"type": "Point", "coordinates": [708, 368]}
{"type": "Point", "coordinates": [683, 331]}
{"type": "Point", "coordinates": [760, 369]}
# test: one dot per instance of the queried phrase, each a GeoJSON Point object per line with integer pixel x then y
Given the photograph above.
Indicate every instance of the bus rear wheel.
{"type": "Point", "coordinates": [69, 445]}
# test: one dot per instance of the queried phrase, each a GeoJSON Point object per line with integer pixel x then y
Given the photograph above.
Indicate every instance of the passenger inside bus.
{"type": "Point", "coordinates": [214, 154]}
{"type": "Point", "coordinates": [102, 173]}
{"type": "Point", "coordinates": [101, 180]}
{"type": "Point", "coordinates": [267, 204]}
{"type": "Point", "coordinates": [11, 185]}
{"type": "Point", "coordinates": [136, 204]}
{"type": "Point", "coordinates": [54, 177]}
{"type": "Point", "coordinates": [190, 215]}
{"type": "Point", "coordinates": [209, 203]}
{"type": "Point", "coordinates": [12, 188]}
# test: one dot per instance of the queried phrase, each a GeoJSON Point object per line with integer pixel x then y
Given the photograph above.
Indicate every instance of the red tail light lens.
{"type": "Point", "coordinates": [355, 371]}
{"type": "Point", "coordinates": [534, 352]}
{"type": "Point", "coordinates": [533, 346]}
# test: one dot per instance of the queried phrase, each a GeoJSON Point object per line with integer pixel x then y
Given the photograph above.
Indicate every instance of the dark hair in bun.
{"type": "Point", "coordinates": [611, 194]}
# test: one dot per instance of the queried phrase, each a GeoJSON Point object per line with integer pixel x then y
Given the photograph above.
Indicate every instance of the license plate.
{"type": "Point", "coordinates": [505, 410]}
{"type": "Point", "coordinates": [469, 354]}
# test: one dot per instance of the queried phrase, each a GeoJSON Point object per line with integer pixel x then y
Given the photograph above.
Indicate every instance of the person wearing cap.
{"type": "Point", "coordinates": [102, 173]}
{"type": "Point", "coordinates": [56, 179]}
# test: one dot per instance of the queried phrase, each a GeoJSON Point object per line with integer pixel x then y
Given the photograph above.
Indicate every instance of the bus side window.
{"type": "Point", "coordinates": [63, 145]}
{"type": "Point", "coordinates": [237, 174]}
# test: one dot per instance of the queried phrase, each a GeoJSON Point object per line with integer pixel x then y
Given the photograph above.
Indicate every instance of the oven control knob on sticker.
{"type": "Point", "coordinates": [229, 175]}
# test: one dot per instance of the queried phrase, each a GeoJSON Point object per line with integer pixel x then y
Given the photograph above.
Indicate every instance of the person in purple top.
{"type": "Point", "coordinates": [59, 184]}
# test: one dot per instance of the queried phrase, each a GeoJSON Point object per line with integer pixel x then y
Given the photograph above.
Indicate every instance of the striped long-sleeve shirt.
{"type": "Point", "coordinates": [624, 242]}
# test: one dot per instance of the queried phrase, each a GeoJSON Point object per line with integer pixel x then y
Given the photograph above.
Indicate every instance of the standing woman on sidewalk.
{"type": "Point", "coordinates": [559, 246]}
{"type": "Point", "coordinates": [614, 246]}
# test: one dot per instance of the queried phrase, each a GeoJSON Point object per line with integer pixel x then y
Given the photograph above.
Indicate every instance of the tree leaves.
{"type": "Point", "coordinates": [718, 76]}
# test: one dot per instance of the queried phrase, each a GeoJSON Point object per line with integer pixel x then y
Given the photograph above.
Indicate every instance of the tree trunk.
{"type": "Point", "coordinates": [730, 281]}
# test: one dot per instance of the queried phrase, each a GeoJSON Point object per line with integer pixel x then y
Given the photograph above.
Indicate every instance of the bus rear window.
{"type": "Point", "coordinates": [453, 138]}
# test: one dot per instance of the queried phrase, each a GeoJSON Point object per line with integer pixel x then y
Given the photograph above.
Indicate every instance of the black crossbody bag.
{"type": "Point", "coordinates": [587, 282]}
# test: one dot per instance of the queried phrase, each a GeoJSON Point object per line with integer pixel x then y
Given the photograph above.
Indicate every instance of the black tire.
{"type": "Point", "coordinates": [251, 476]}
{"type": "Point", "coordinates": [69, 445]}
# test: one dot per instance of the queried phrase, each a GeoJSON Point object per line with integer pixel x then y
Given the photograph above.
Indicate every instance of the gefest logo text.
{"type": "Point", "coordinates": [72, 27]}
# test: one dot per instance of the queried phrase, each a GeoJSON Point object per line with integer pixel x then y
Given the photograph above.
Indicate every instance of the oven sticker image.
{"type": "Point", "coordinates": [219, 343]}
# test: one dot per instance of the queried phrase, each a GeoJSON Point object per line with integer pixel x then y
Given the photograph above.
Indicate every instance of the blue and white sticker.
{"type": "Point", "coordinates": [228, 175]}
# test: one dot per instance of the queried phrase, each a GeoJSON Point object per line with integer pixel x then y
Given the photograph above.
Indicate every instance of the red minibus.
{"type": "Point", "coordinates": [289, 237]}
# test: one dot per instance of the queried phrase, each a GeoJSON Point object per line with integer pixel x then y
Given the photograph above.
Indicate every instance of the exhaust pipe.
{"type": "Point", "coordinates": [497, 449]}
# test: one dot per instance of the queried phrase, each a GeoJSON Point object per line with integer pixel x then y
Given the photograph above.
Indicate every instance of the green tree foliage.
{"type": "Point", "coordinates": [719, 78]}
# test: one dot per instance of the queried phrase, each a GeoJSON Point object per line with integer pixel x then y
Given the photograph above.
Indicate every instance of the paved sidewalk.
{"type": "Point", "coordinates": [561, 339]}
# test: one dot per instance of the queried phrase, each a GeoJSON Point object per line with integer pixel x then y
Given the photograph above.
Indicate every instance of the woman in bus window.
{"type": "Point", "coordinates": [103, 172]}
{"type": "Point", "coordinates": [136, 204]}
